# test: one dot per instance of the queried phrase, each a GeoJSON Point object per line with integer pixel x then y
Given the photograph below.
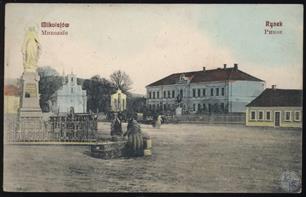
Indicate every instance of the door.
{"type": "Point", "coordinates": [277, 119]}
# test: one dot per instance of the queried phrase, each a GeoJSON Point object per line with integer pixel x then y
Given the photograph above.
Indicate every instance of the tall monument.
{"type": "Point", "coordinates": [30, 114]}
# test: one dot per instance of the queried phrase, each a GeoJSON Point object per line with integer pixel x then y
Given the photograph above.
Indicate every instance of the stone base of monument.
{"type": "Point", "coordinates": [30, 119]}
{"type": "Point", "coordinates": [30, 115]}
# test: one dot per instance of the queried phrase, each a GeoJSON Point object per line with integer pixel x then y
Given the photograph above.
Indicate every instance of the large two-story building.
{"type": "Point", "coordinates": [217, 90]}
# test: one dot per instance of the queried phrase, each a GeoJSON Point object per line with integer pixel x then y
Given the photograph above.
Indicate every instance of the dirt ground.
{"type": "Point", "coordinates": [186, 158]}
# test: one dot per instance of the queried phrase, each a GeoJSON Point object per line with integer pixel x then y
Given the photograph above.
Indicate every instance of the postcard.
{"type": "Point", "coordinates": [153, 98]}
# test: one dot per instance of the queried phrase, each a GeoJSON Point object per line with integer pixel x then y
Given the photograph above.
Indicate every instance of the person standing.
{"type": "Point", "coordinates": [135, 138]}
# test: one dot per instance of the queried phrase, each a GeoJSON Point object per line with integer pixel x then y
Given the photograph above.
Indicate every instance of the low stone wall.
{"type": "Point", "coordinates": [235, 118]}
{"type": "Point", "coordinates": [109, 149]}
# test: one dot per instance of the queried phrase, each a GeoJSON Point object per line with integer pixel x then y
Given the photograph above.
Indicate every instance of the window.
{"type": "Point", "coordinates": [199, 92]}
{"type": "Point", "coordinates": [222, 106]}
{"type": "Point", "coordinates": [194, 92]}
{"type": "Point", "coordinates": [164, 106]}
{"type": "Point", "coordinates": [287, 116]}
{"type": "Point", "coordinates": [297, 116]}
{"type": "Point", "coordinates": [173, 93]}
{"type": "Point", "coordinates": [153, 95]}
{"type": "Point", "coordinates": [209, 107]}
{"type": "Point", "coordinates": [194, 107]}
{"type": "Point", "coordinates": [211, 92]}
{"type": "Point", "coordinates": [253, 115]}
{"type": "Point", "coordinates": [153, 106]}
{"type": "Point", "coordinates": [150, 95]}
{"type": "Point", "coordinates": [164, 94]}
{"type": "Point", "coordinates": [182, 76]}
{"type": "Point", "coordinates": [157, 106]}
{"type": "Point", "coordinates": [199, 107]}
{"type": "Point", "coordinates": [150, 106]}
{"type": "Point", "coordinates": [71, 90]}
{"type": "Point", "coordinates": [222, 91]}
{"type": "Point", "coordinates": [260, 115]}
{"type": "Point", "coordinates": [204, 107]}
{"type": "Point", "coordinates": [157, 94]}
{"type": "Point", "coordinates": [168, 94]}
{"type": "Point", "coordinates": [115, 101]}
{"type": "Point", "coordinates": [204, 92]}
{"type": "Point", "coordinates": [268, 115]}
{"type": "Point", "coordinates": [217, 91]}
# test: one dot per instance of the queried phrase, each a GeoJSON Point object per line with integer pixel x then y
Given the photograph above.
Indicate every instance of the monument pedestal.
{"type": "Point", "coordinates": [30, 114]}
{"type": "Point", "coordinates": [178, 111]}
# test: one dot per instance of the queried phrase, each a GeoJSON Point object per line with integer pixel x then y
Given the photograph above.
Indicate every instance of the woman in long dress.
{"type": "Point", "coordinates": [135, 138]}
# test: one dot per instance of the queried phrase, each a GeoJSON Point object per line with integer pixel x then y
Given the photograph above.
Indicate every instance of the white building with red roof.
{"type": "Point", "coordinates": [207, 91]}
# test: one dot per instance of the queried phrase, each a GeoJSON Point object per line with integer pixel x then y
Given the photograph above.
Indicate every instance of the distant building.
{"type": "Point", "coordinates": [276, 108]}
{"type": "Point", "coordinates": [11, 99]}
{"type": "Point", "coordinates": [69, 95]}
{"type": "Point", "coordinates": [217, 90]}
{"type": "Point", "coordinates": [118, 101]}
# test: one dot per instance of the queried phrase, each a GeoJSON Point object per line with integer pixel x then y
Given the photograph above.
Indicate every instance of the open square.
{"type": "Point", "coordinates": [186, 158]}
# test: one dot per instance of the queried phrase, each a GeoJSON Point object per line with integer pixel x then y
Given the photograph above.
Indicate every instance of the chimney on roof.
{"type": "Point", "coordinates": [224, 66]}
{"type": "Point", "coordinates": [235, 66]}
{"type": "Point", "coordinates": [204, 68]}
{"type": "Point", "coordinates": [273, 87]}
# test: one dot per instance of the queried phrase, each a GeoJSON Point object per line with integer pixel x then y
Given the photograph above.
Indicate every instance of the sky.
{"type": "Point", "coordinates": [149, 42]}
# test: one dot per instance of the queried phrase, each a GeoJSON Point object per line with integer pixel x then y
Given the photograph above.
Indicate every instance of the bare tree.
{"type": "Point", "coordinates": [121, 80]}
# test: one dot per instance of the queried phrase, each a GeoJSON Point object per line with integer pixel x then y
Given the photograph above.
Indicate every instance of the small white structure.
{"type": "Point", "coordinates": [118, 101]}
{"type": "Point", "coordinates": [69, 95]}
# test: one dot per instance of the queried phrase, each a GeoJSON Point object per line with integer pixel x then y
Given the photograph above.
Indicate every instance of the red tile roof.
{"type": "Point", "coordinates": [11, 90]}
{"type": "Point", "coordinates": [278, 98]}
{"type": "Point", "coordinates": [219, 74]}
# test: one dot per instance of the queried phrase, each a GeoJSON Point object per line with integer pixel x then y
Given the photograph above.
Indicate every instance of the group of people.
{"type": "Point", "coordinates": [134, 134]}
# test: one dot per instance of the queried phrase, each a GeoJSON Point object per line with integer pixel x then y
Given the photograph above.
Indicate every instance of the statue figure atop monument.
{"type": "Point", "coordinates": [30, 50]}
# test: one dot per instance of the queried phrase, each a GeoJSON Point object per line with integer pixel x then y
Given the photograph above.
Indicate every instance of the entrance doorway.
{"type": "Point", "coordinates": [277, 119]}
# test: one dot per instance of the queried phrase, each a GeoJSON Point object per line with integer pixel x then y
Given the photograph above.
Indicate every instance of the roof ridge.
{"type": "Point", "coordinates": [216, 74]}
{"type": "Point", "coordinates": [285, 89]}
{"type": "Point", "coordinates": [249, 75]}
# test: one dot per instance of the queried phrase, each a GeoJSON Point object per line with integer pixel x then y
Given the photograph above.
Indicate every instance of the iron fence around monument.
{"type": "Point", "coordinates": [74, 127]}
{"type": "Point", "coordinates": [65, 127]}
